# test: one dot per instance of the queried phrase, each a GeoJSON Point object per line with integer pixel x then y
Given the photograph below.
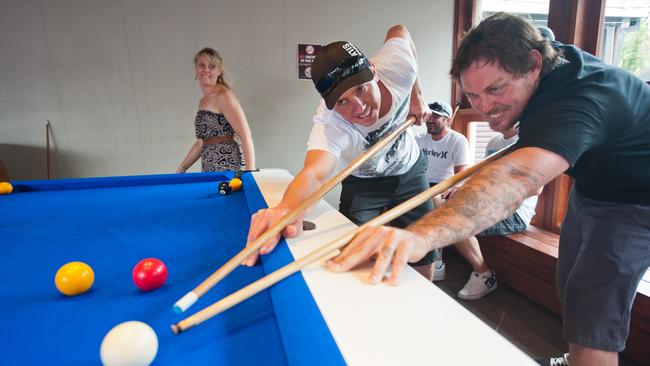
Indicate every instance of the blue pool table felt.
{"type": "Point", "coordinates": [111, 224]}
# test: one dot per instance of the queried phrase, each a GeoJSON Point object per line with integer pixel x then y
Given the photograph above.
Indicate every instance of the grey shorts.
{"type": "Point", "coordinates": [604, 252]}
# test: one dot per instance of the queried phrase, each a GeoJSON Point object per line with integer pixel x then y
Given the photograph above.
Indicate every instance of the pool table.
{"type": "Point", "coordinates": [312, 317]}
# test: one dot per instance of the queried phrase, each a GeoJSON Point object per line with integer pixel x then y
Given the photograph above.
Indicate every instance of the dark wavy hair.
{"type": "Point", "coordinates": [508, 39]}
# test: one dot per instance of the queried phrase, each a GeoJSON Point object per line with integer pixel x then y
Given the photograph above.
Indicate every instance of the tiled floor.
{"type": "Point", "coordinates": [532, 328]}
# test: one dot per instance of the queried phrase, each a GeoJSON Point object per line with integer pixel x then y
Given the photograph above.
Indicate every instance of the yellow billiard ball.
{"type": "Point", "coordinates": [74, 278]}
{"type": "Point", "coordinates": [6, 188]}
{"type": "Point", "coordinates": [235, 184]}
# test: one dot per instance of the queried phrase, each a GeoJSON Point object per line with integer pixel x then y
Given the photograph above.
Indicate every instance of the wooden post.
{"type": "Point", "coordinates": [47, 149]}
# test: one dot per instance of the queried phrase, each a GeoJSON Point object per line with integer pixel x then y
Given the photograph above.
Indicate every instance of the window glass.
{"type": "Point", "coordinates": [479, 134]}
{"type": "Point", "coordinates": [535, 10]}
{"type": "Point", "coordinates": [625, 41]}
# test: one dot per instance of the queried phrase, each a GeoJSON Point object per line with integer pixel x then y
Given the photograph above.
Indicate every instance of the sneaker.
{"type": "Point", "coordinates": [439, 271]}
{"type": "Point", "coordinates": [479, 285]}
{"type": "Point", "coordinates": [555, 361]}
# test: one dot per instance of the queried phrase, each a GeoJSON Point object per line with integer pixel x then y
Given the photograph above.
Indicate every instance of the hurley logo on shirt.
{"type": "Point", "coordinates": [435, 154]}
{"type": "Point", "coordinates": [351, 49]}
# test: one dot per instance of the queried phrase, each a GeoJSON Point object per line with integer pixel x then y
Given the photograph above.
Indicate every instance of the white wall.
{"type": "Point", "coordinates": [116, 79]}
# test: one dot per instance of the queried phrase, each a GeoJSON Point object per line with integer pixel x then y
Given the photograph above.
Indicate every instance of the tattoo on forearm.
{"type": "Point", "coordinates": [485, 199]}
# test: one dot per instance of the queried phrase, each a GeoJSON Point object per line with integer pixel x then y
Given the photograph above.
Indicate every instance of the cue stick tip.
{"type": "Point", "coordinates": [176, 329]}
{"type": "Point", "coordinates": [185, 302]}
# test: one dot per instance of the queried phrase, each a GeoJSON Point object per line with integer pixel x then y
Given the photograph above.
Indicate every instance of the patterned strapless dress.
{"type": "Point", "coordinates": [221, 156]}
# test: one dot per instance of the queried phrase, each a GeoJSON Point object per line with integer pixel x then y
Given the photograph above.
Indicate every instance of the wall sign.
{"type": "Point", "coordinates": [306, 54]}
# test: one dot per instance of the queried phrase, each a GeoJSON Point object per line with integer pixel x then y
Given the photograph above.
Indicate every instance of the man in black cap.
{"type": "Point", "coordinates": [363, 101]}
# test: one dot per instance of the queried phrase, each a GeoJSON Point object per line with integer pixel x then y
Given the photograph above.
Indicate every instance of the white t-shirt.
{"type": "Point", "coordinates": [396, 68]}
{"type": "Point", "coordinates": [443, 155]}
{"type": "Point", "coordinates": [527, 209]}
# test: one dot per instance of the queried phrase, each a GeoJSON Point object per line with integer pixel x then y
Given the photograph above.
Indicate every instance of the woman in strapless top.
{"type": "Point", "coordinates": [220, 118]}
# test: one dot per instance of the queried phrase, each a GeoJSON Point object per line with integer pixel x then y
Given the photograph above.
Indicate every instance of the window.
{"type": "Point", "coordinates": [625, 38]}
{"type": "Point", "coordinates": [479, 134]}
{"type": "Point", "coordinates": [535, 10]}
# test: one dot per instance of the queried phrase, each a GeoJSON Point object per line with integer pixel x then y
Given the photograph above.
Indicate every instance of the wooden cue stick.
{"type": "Point", "coordinates": [453, 115]}
{"type": "Point", "coordinates": [47, 148]}
{"type": "Point", "coordinates": [271, 279]}
{"type": "Point", "coordinates": [191, 297]}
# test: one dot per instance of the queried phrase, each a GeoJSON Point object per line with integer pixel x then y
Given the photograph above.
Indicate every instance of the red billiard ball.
{"type": "Point", "coordinates": [149, 274]}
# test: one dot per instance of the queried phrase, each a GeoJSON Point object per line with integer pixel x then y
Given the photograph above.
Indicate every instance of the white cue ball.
{"type": "Point", "coordinates": [131, 343]}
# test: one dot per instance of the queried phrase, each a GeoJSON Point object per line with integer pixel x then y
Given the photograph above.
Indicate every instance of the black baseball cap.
{"type": "Point", "coordinates": [338, 67]}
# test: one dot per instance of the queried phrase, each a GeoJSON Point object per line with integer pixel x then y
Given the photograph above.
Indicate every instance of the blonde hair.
{"type": "Point", "coordinates": [215, 59]}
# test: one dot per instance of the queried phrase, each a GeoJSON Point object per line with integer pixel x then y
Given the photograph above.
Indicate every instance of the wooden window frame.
{"type": "Point", "coordinates": [577, 22]}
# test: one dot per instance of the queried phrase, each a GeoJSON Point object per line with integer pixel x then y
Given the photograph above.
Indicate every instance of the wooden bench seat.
{"type": "Point", "coordinates": [527, 261]}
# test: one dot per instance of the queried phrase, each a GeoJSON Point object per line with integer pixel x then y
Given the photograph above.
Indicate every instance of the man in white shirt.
{"type": "Point", "coordinates": [363, 101]}
{"type": "Point", "coordinates": [447, 153]}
